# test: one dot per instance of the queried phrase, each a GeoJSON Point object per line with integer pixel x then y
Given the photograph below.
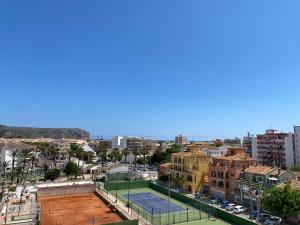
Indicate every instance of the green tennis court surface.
{"type": "Point", "coordinates": [152, 206]}
{"type": "Point", "coordinates": [205, 222]}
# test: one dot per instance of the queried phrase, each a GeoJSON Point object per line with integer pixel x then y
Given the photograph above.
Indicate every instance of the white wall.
{"type": "Point", "coordinates": [297, 144]}
{"type": "Point", "coordinates": [289, 150]}
{"type": "Point", "coordinates": [254, 148]}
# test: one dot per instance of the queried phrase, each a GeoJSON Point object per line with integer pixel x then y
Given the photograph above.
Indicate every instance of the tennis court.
{"type": "Point", "coordinates": [81, 209]}
{"type": "Point", "coordinates": [153, 206]}
{"type": "Point", "coordinates": [156, 204]}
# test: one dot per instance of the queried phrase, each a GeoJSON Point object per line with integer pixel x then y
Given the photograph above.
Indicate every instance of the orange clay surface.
{"type": "Point", "coordinates": [83, 209]}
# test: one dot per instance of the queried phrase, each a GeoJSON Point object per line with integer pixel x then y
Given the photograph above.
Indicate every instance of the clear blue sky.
{"type": "Point", "coordinates": [154, 68]}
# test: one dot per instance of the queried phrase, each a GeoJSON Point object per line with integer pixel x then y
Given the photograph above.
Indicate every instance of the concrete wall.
{"type": "Point", "coordinates": [65, 190]}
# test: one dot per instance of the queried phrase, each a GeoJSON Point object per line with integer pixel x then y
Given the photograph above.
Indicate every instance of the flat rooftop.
{"type": "Point", "coordinates": [80, 209]}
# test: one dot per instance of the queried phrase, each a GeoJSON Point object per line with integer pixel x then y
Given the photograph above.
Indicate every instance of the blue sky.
{"type": "Point", "coordinates": [155, 68]}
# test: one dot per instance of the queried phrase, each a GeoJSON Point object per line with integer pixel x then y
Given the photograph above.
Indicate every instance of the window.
{"type": "Point", "coordinates": [189, 178]}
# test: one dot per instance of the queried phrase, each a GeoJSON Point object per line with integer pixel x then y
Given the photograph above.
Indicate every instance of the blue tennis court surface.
{"type": "Point", "coordinates": [152, 204]}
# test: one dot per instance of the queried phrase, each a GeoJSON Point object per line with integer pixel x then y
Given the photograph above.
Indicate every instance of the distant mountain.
{"type": "Point", "coordinates": [30, 132]}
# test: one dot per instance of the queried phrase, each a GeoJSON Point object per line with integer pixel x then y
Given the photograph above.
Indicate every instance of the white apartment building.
{"type": "Point", "coordinates": [297, 145]}
{"type": "Point", "coordinates": [119, 142]}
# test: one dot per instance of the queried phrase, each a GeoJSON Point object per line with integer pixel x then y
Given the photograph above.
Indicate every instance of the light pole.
{"type": "Point", "coordinates": [169, 173]}
{"type": "Point", "coordinates": [128, 202]}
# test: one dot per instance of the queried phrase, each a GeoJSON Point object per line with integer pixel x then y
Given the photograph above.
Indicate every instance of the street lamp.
{"type": "Point", "coordinates": [169, 175]}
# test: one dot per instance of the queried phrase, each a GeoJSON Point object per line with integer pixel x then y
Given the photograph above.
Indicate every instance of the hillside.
{"type": "Point", "coordinates": [30, 132]}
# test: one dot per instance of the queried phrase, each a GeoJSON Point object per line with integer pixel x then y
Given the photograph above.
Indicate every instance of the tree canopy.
{"type": "Point", "coordinates": [282, 200]}
{"type": "Point", "coordinates": [71, 169]}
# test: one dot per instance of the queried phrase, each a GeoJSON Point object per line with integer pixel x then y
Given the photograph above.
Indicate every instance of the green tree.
{"type": "Point", "coordinates": [179, 180]}
{"type": "Point", "coordinates": [45, 169]}
{"type": "Point", "coordinates": [52, 174]}
{"type": "Point", "coordinates": [71, 169]}
{"type": "Point", "coordinates": [25, 154]}
{"type": "Point", "coordinates": [136, 152]}
{"type": "Point", "coordinates": [88, 156]}
{"type": "Point", "coordinates": [282, 200]}
{"type": "Point", "coordinates": [125, 152]}
{"type": "Point", "coordinates": [13, 154]}
{"type": "Point", "coordinates": [3, 166]}
{"type": "Point", "coordinates": [144, 152]}
{"type": "Point", "coordinates": [295, 168]}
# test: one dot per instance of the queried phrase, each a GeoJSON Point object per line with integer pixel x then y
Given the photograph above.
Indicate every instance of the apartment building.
{"type": "Point", "coordinates": [247, 144]}
{"type": "Point", "coordinates": [235, 142]}
{"type": "Point", "coordinates": [181, 140]}
{"type": "Point", "coordinates": [118, 142]}
{"type": "Point", "coordinates": [297, 145]}
{"type": "Point", "coordinates": [256, 178]}
{"type": "Point", "coordinates": [133, 143]}
{"type": "Point", "coordinates": [224, 171]}
{"type": "Point", "coordinates": [6, 153]}
{"type": "Point", "coordinates": [274, 149]}
{"type": "Point", "coordinates": [193, 166]}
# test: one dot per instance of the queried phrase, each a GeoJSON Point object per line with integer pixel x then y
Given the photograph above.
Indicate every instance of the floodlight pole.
{"type": "Point", "coordinates": [169, 173]}
{"type": "Point", "coordinates": [128, 204]}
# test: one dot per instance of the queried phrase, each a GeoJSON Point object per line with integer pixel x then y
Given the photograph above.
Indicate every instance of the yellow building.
{"type": "Point", "coordinates": [193, 165]}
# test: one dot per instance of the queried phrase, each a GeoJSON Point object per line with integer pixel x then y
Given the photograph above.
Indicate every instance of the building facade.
{"type": "Point", "coordinates": [118, 142]}
{"type": "Point", "coordinates": [181, 140]}
{"type": "Point", "coordinates": [297, 145]}
{"type": "Point", "coordinates": [193, 166]}
{"type": "Point", "coordinates": [247, 144]}
{"type": "Point", "coordinates": [224, 171]}
{"type": "Point", "coordinates": [256, 178]}
{"type": "Point", "coordinates": [274, 149]}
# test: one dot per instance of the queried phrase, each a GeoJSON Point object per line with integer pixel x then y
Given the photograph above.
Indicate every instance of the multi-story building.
{"type": "Point", "coordinates": [181, 140]}
{"type": "Point", "coordinates": [118, 142]}
{"type": "Point", "coordinates": [150, 145]}
{"type": "Point", "coordinates": [274, 149]}
{"type": "Point", "coordinates": [256, 178]}
{"type": "Point", "coordinates": [193, 166]}
{"type": "Point", "coordinates": [7, 149]}
{"type": "Point", "coordinates": [236, 142]}
{"type": "Point", "coordinates": [297, 145]}
{"type": "Point", "coordinates": [224, 171]}
{"type": "Point", "coordinates": [247, 144]}
{"type": "Point", "coordinates": [213, 151]}
{"type": "Point", "coordinates": [133, 143]}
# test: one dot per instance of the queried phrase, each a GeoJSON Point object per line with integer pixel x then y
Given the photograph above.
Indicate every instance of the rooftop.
{"type": "Point", "coordinates": [259, 169]}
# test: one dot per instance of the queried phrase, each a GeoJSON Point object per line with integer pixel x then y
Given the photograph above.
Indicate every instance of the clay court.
{"type": "Point", "coordinates": [81, 209]}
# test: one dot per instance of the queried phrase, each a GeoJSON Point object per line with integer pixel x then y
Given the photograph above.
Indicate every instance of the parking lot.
{"type": "Point", "coordinates": [263, 218]}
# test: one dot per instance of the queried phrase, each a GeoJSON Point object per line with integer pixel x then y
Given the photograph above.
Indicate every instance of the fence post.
{"type": "Point", "coordinates": [187, 214]}
{"type": "Point", "coordinates": [152, 216]}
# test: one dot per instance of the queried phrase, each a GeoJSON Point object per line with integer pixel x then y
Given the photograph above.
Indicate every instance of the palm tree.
{"type": "Point", "coordinates": [25, 154]}
{"type": "Point", "coordinates": [103, 155]}
{"type": "Point", "coordinates": [33, 160]}
{"type": "Point", "coordinates": [13, 154]}
{"type": "Point", "coordinates": [144, 153]}
{"type": "Point", "coordinates": [4, 166]}
{"type": "Point", "coordinates": [19, 174]}
{"type": "Point", "coordinates": [136, 152]}
{"type": "Point", "coordinates": [125, 152]}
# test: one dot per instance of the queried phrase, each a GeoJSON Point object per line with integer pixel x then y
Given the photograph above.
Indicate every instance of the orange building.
{"type": "Point", "coordinates": [225, 170]}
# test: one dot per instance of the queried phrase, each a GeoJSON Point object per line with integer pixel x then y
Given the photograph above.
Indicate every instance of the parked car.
{"type": "Point", "coordinates": [224, 204]}
{"type": "Point", "coordinates": [273, 220]}
{"type": "Point", "coordinates": [230, 206]}
{"type": "Point", "coordinates": [213, 201]}
{"type": "Point", "coordinates": [253, 214]}
{"type": "Point", "coordinates": [263, 216]}
{"type": "Point", "coordinates": [239, 209]}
